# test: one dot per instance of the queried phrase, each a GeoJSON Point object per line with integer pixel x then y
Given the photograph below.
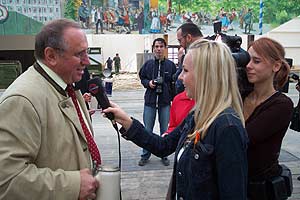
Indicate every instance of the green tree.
{"type": "Point", "coordinates": [71, 9]}
{"type": "Point", "coordinates": [278, 12]}
{"type": "Point", "coordinates": [275, 12]}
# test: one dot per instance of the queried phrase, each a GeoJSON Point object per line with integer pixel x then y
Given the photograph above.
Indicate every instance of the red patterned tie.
{"type": "Point", "coordinates": [90, 140]}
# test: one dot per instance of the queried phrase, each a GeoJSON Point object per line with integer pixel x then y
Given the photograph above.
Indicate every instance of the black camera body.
{"type": "Point", "coordinates": [241, 57]}
{"type": "Point", "coordinates": [159, 84]}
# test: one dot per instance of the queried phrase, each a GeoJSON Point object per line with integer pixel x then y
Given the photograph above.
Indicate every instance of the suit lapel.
{"type": "Point", "coordinates": [85, 111]}
{"type": "Point", "coordinates": [67, 107]}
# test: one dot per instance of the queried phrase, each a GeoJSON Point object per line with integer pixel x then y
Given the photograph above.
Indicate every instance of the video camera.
{"type": "Point", "coordinates": [241, 58]}
{"type": "Point", "coordinates": [295, 77]}
{"type": "Point", "coordinates": [292, 76]}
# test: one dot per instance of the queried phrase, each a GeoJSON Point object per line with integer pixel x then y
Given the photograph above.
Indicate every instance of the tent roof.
{"type": "Point", "coordinates": [290, 26]}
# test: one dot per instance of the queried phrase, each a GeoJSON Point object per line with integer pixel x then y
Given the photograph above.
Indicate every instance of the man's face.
{"type": "Point", "coordinates": [72, 61]}
{"type": "Point", "coordinates": [187, 75]}
{"type": "Point", "coordinates": [181, 39]}
{"type": "Point", "coordinates": [158, 49]}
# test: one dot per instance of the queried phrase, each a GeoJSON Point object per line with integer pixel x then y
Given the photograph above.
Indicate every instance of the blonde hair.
{"type": "Point", "coordinates": [216, 86]}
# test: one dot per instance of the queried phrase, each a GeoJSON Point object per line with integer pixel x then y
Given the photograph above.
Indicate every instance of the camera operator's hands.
{"type": "Point", "coordinates": [151, 84]}
{"type": "Point", "coordinates": [120, 115]}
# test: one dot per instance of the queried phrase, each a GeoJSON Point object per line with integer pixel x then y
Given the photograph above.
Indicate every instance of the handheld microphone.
{"type": "Point", "coordinates": [109, 177]}
{"type": "Point", "coordinates": [95, 87]}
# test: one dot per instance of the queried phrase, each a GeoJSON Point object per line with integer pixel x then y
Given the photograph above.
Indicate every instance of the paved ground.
{"type": "Point", "coordinates": [151, 181]}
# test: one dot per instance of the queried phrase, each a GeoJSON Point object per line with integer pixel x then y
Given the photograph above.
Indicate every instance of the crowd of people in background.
{"type": "Point", "coordinates": [118, 20]}
{"type": "Point", "coordinates": [126, 19]}
{"type": "Point", "coordinates": [229, 19]}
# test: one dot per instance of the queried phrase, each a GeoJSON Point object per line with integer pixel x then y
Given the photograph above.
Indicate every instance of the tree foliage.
{"type": "Point", "coordinates": [71, 9]}
{"type": "Point", "coordinates": [275, 11]}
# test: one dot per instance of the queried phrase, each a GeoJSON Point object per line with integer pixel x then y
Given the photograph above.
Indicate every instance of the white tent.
{"type": "Point", "coordinates": [288, 34]}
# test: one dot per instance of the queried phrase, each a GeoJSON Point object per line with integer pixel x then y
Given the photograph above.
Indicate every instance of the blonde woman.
{"type": "Point", "coordinates": [211, 144]}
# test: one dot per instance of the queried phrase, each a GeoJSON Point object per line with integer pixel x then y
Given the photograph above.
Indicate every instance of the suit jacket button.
{"type": "Point", "coordinates": [64, 105]}
{"type": "Point", "coordinates": [84, 148]}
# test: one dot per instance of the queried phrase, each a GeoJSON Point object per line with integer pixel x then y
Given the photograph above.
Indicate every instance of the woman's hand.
{"type": "Point", "coordinates": [120, 115]}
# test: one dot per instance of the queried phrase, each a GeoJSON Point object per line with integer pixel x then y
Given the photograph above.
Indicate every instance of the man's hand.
{"type": "Point", "coordinates": [92, 111]}
{"type": "Point", "coordinates": [151, 84]}
{"type": "Point", "coordinates": [88, 185]}
{"type": "Point", "coordinates": [87, 97]}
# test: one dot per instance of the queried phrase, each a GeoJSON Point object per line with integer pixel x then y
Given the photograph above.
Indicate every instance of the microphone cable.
{"type": "Point", "coordinates": [115, 125]}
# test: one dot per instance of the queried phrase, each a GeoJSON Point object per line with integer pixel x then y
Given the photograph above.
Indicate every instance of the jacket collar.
{"type": "Point", "coordinates": [39, 69]}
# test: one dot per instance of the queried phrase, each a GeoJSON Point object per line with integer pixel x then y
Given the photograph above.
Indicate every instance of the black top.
{"type": "Point", "coordinates": [266, 127]}
{"type": "Point", "coordinates": [82, 85]}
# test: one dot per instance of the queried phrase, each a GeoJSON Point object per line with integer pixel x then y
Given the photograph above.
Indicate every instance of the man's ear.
{"type": "Point", "coordinates": [188, 38]}
{"type": "Point", "coordinates": [51, 56]}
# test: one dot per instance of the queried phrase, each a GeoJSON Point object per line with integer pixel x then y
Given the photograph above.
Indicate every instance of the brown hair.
{"type": "Point", "coordinates": [272, 51]}
{"type": "Point", "coordinates": [51, 35]}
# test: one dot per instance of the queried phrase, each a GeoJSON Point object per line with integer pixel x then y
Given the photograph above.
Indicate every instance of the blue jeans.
{"type": "Point", "coordinates": [149, 117]}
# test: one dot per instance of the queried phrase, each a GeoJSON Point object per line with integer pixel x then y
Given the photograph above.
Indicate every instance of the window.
{"type": "Point", "coordinates": [173, 53]}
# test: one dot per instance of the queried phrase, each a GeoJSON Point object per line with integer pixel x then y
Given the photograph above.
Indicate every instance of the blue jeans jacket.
{"type": "Point", "coordinates": [216, 168]}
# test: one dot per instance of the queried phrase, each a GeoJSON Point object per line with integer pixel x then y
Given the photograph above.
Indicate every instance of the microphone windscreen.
{"type": "Point", "coordinates": [95, 86]}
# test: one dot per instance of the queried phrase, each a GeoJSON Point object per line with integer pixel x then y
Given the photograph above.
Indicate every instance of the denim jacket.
{"type": "Point", "coordinates": [215, 168]}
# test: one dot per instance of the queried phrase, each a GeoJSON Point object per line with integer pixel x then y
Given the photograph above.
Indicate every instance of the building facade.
{"type": "Point", "coordinates": [39, 10]}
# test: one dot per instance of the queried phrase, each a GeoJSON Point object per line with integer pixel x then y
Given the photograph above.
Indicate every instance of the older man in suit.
{"type": "Point", "coordinates": [46, 144]}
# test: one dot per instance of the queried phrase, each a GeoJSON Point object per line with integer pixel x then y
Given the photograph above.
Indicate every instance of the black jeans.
{"type": "Point", "coordinates": [99, 21]}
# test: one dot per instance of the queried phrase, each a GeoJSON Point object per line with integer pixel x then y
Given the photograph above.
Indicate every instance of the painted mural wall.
{"type": "Point", "coordinates": [146, 17]}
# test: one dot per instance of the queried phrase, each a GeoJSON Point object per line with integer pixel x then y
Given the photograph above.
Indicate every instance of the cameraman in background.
{"type": "Point", "coordinates": [156, 76]}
